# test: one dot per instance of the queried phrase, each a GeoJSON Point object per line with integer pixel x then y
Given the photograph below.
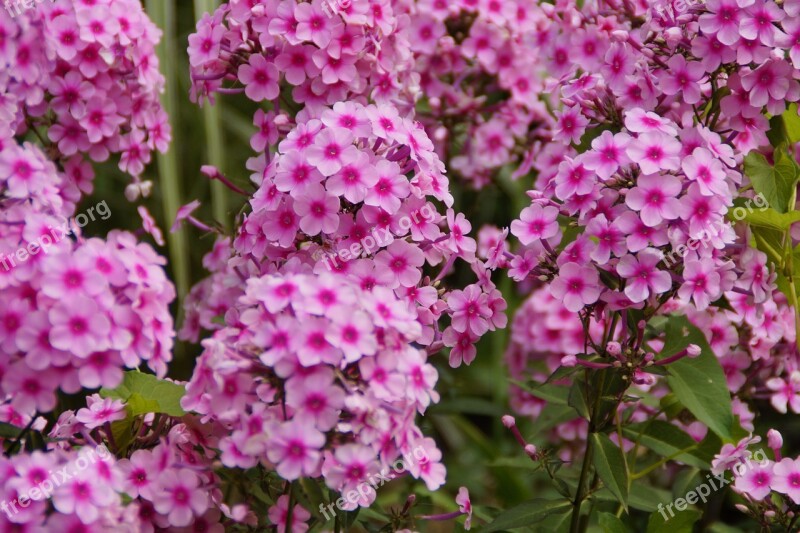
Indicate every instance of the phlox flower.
{"type": "Point", "coordinates": [318, 210]}
{"type": "Point", "coordinates": [607, 154]}
{"type": "Point", "coordinates": [682, 78]}
{"type": "Point", "coordinates": [295, 448]}
{"type": "Point", "coordinates": [642, 276]}
{"type": "Point", "coordinates": [470, 310]}
{"type": "Point", "coordinates": [278, 515]}
{"type": "Point", "coordinates": [654, 151]}
{"type": "Point", "coordinates": [401, 261]}
{"type": "Point", "coordinates": [576, 285]}
{"type": "Point", "coordinates": [570, 126]}
{"type": "Point", "coordinates": [786, 478]}
{"type": "Point", "coordinates": [260, 78]}
{"type": "Point", "coordinates": [655, 198]}
{"type": "Point", "coordinates": [536, 223]}
{"type": "Point", "coordinates": [179, 497]}
{"type": "Point", "coordinates": [755, 482]}
{"type": "Point", "coordinates": [100, 411]}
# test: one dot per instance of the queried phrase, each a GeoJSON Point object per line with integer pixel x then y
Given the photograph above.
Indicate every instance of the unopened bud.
{"type": "Point", "coordinates": [509, 421]}
{"type": "Point", "coordinates": [693, 350]}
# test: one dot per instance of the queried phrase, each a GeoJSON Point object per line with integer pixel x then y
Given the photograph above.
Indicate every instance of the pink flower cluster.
{"type": "Point", "coordinates": [321, 368]}
{"type": "Point", "coordinates": [166, 483]}
{"type": "Point", "coordinates": [482, 85]}
{"type": "Point", "coordinates": [771, 488]}
{"type": "Point", "coordinates": [83, 76]}
{"type": "Point", "coordinates": [325, 57]}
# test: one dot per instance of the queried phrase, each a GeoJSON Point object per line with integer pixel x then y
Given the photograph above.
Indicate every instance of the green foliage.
{"type": "Point", "coordinates": [527, 514]}
{"type": "Point", "coordinates": [611, 466]}
{"type": "Point", "coordinates": [682, 522]}
{"type": "Point", "coordinates": [776, 183]}
{"type": "Point", "coordinates": [145, 393]}
{"type": "Point", "coordinates": [699, 383]}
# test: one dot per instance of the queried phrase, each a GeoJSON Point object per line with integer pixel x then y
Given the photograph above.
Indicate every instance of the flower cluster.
{"type": "Point", "coordinates": [480, 81]}
{"type": "Point", "coordinates": [329, 317]}
{"type": "Point", "coordinates": [164, 482]}
{"type": "Point", "coordinates": [323, 56]}
{"type": "Point", "coordinates": [770, 488]}
{"type": "Point", "coordinates": [83, 77]}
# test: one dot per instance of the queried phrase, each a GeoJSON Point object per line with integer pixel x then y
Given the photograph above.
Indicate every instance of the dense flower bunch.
{"type": "Point", "coordinates": [76, 311]}
{"type": "Point", "coordinates": [329, 318]}
{"type": "Point", "coordinates": [651, 192]}
{"type": "Point", "coordinates": [164, 481]}
{"type": "Point", "coordinates": [481, 84]}
{"type": "Point", "coordinates": [658, 108]}
{"type": "Point", "coordinates": [84, 76]}
{"type": "Point", "coordinates": [770, 487]}
{"type": "Point", "coordinates": [325, 51]}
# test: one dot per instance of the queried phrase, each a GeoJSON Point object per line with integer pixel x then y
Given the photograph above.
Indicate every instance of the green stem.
{"type": "Point", "coordinates": [579, 492]}
{"type": "Point", "coordinates": [215, 140]}
{"type": "Point", "coordinates": [162, 12]}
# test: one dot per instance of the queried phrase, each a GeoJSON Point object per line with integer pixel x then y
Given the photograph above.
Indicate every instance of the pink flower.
{"type": "Point", "coordinates": [702, 283]}
{"type": "Point", "coordinates": [760, 22]}
{"type": "Point", "coordinates": [318, 211]}
{"type": "Point", "coordinates": [389, 189]}
{"type": "Point", "coordinates": [84, 495]}
{"type": "Point", "coordinates": [470, 310]}
{"type": "Point", "coordinates": [315, 398]}
{"type": "Point", "coordinates": [536, 223]}
{"type": "Point", "coordinates": [278, 515]}
{"type": "Point", "coordinates": [138, 473]}
{"type": "Point", "coordinates": [402, 262]}
{"type": "Point", "coordinates": [576, 285]}
{"type": "Point", "coordinates": [607, 154]}
{"type": "Point", "coordinates": [755, 482]}
{"type": "Point", "coordinates": [722, 20]}
{"type": "Point", "coordinates": [332, 149]}
{"type": "Point", "coordinates": [350, 468]}
{"type": "Point", "coordinates": [260, 78]}
{"type": "Point", "coordinates": [79, 326]}
{"type": "Point", "coordinates": [642, 276]}
{"type": "Point", "coordinates": [100, 411]}
{"type": "Point", "coordinates": [465, 506]}
{"type": "Point", "coordinates": [294, 448]}
{"type": "Point", "coordinates": [655, 198]}
{"type": "Point", "coordinates": [682, 78]}
{"type": "Point", "coordinates": [707, 171]}
{"type": "Point", "coordinates": [786, 478]}
{"type": "Point", "coordinates": [771, 80]}
{"type": "Point", "coordinates": [313, 24]}
{"type": "Point", "coordinates": [570, 126]}
{"type": "Point", "coordinates": [179, 497]}
{"type": "Point", "coordinates": [655, 151]}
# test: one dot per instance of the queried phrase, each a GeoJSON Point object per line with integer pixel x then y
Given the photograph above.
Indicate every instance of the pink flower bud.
{"type": "Point", "coordinates": [569, 361]}
{"type": "Point", "coordinates": [508, 421]}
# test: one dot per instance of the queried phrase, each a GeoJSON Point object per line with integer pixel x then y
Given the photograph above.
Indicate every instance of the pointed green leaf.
{"type": "Point", "coordinates": [528, 513]}
{"type": "Point", "coordinates": [611, 467]}
{"type": "Point", "coordinates": [775, 182]}
{"type": "Point", "coordinates": [145, 393]}
{"type": "Point", "coordinates": [681, 522]}
{"type": "Point", "coordinates": [699, 383]}
{"type": "Point", "coordinates": [611, 524]}
{"type": "Point", "coordinates": [667, 440]}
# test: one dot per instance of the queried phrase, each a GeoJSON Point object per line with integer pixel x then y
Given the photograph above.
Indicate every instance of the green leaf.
{"type": "Point", "coordinates": [769, 218]}
{"type": "Point", "coordinates": [577, 399]}
{"type": "Point", "coordinates": [9, 431]}
{"type": "Point", "coordinates": [644, 498]}
{"type": "Point", "coordinates": [776, 183]}
{"type": "Point", "coordinates": [611, 467]}
{"type": "Point", "coordinates": [546, 391]}
{"type": "Point", "coordinates": [699, 383]}
{"type": "Point", "coordinates": [682, 522]}
{"type": "Point", "coordinates": [770, 242]}
{"type": "Point", "coordinates": [611, 524]}
{"type": "Point", "coordinates": [791, 120]}
{"type": "Point", "coordinates": [145, 393]}
{"type": "Point", "coordinates": [528, 513]}
{"type": "Point", "coordinates": [667, 440]}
